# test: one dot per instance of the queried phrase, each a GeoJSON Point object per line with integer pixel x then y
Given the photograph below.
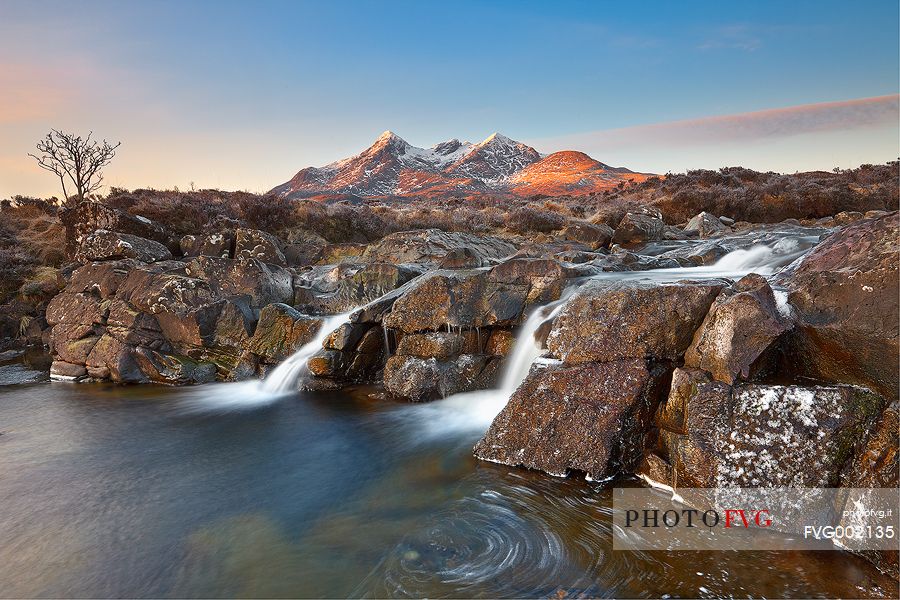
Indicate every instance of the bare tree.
{"type": "Point", "coordinates": [75, 158]}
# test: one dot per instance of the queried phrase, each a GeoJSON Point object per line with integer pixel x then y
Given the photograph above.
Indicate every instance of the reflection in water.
{"type": "Point", "coordinates": [109, 491]}
{"type": "Point", "coordinates": [113, 491]}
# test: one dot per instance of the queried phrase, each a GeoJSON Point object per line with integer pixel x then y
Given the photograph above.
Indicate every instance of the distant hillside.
{"type": "Point", "coordinates": [497, 166]}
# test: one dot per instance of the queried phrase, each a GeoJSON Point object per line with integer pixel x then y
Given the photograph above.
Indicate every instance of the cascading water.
{"type": "Point", "coordinates": [251, 394]}
{"type": "Point", "coordinates": [474, 411]}
{"type": "Point", "coordinates": [285, 376]}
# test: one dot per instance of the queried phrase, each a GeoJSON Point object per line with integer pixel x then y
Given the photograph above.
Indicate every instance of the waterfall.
{"type": "Point", "coordinates": [526, 349]}
{"type": "Point", "coordinates": [285, 376]}
{"type": "Point", "coordinates": [473, 412]}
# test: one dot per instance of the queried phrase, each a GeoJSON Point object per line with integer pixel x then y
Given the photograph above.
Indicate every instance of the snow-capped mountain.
{"type": "Point", "coordinates": [498, 165]}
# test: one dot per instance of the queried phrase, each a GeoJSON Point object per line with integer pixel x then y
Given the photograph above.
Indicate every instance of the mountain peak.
{"type": "Point", "coordinates": [499, 138]}
{"type": "Point", "coordinates": [388, 135]}
{"type": "Point", "coordinates": [497, 165]}
{"type": "Point", "coordinates": [389, 138]}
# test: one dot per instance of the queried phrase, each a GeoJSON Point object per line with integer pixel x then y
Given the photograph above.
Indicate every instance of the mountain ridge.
{"type": "Point", "coordinates": [498, 165]}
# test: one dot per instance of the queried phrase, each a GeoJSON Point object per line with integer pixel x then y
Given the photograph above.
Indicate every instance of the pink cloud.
{"type": "Point", "coordinates": [775, 123]}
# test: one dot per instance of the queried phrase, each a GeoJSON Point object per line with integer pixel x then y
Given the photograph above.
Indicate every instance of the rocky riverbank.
{"type": "Point", "coordinates": [688, 376]}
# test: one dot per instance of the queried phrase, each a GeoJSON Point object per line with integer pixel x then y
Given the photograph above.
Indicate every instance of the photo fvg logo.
{"type": "Point", "coordinates": [647, 518]}
{"type": "Point", "coordinates": [689, 517]}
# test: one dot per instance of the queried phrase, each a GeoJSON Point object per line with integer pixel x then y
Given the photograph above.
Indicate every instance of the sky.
{"type": "Point", "coordinates": [241, 95]}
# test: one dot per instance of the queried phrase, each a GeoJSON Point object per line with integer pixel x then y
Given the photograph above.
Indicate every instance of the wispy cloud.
{"type": "Point", "coordinates": [760, 125]}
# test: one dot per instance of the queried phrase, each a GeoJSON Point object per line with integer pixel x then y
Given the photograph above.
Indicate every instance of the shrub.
{"type": "Point", "coordinates": [526, 220]}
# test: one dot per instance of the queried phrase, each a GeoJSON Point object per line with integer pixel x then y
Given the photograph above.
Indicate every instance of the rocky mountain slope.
{"type": "Point", "coordinates": [498, 165]}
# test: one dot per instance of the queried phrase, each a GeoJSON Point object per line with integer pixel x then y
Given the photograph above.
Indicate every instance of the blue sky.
{"type": "Point", "coordinates": [241, 95]}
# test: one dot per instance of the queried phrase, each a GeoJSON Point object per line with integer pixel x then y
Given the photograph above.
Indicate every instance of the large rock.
{"type": "Point", "coordinates": [430, 246]}
{"type": "Point", "coordinates": [608, 321]}
{"type": "Point", "coordinates": [101, 278]}
{"type": "Point", "coordinates": [422, 379]}
{"type": "Point", "coordinates": [594, 236]}
{"type": "Point", "coordinates": [342, 287]}
{"type": "Point", "coordinates": [541, 279]}
{"type": "Point", "coordinates": [589, 418]}
{"type": "Point", "coordinates": [442, 299]}
{"type": "Point", "coordinates": [705, 225]}
{"type": "Point", "coordinates": [741, 325]}
{"type": "Point", "coordinates": [88, 216]}
{"type": "Point", "coordinates": [173, 369]}
{"type": "Point", "coordinates": [114, 359]}
{"type": "Point", "coordinates": [877, 465]}
{"type": "Point", "coordinates": [214, 244]}
{"type": "Point", "coordinates": [845, 296]}
{"type": "Point", "coordinates": [252, 243]}
{"type": "Point", "coordinates": [109, 245]}
{"type": "Point", "coordinates": [281, 331]}
{"type": "Point", "coordinates": [877, 460]}
{"type": "Point", "coordinates": [263, 283]}
{"type": "Point", "coordinates": [715, 435]}
{"type": "Point", "coordinates": [167, 292]}
{"type": "Point", "coordinates": [638, 228]}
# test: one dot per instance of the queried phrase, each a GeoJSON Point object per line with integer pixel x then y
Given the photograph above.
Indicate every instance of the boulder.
{"type": "Point", "coordinates": [741, 325]}
{"type": "Point", "coordinates": [114, 359]}
{"type": "Point", "coordinates": [73, 343]}
{"type": "Point", "coordinates": [214, 244]}
{"type": "Point", "coordinates": [88, 216]}
{"type": "Point", "coordinates": [109, 245]}
{"type": "Point", "coordinates": [638, 228]}
{"type": "Point", "coordinates": [460, 258]}
{"type": "Point", "coordinates": [423, 379]}
{"type": "Point", "coordinates": [500, 342]}
{"type": "Point", "coordinates": [252, 243]}
{"type": "Point", "coordinates": [281, 331]}
{"type": "Point", "coordinates": [235, 325]}
{"type": "Point", "coordinates": [876, 464]}
{"type": "Point", "coordinates": [101, 278]}
{"type": "Point", "coordinates": [63, 370]}
{"type": "Point", "coordinates": [443, 299]}
{"type": "Point", "coordinates": [435, 344]}
{"type": "Point", "coordinates": [845, 297]}
{"type": "Point", "coordinates": [263, 283]}
{"type": "Point", "coordinates": [173, 369]}
{"type": "Point", "coordinates": [752, 435]}
{"type": "Point", "coordinates": [341, 252]}
{"type": "Point", "coordinates": [608, 320]}
{"type": "Point", "coordinates": [430, 246]}
{"type": "Point", "coordinates": [167, 292]}
{"type": "Point", "coordinates": [588, 418]}
{"type": "Point", "coordinates": [705, 225]}
{"type": "Point", "coordinates": [346, 337]}
{"type": "Point", "coordinates": [77, 308]}
{"type": "Point", "coordinates": [345, 286]}
{"type": "Point", "coordinates": [541, 279]}
{"type": "Point", "coordinates": [594, 236]}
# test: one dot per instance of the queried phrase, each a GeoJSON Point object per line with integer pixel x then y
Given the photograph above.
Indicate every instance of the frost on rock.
{"type": "Point", "coordinates": [715, 435]}
{"type": "Point", "coordinates": [791, 436]}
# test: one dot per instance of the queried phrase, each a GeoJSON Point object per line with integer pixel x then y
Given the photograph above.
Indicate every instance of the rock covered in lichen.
{"type": "Point", "coordinates": [589, 418]}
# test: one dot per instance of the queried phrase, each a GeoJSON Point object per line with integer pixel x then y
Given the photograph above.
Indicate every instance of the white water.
{"type": "Point", "coordinates": [474, 411]}
{"type": "Point", "coordinates": [244, 395]}
{"type": "Point", "coordinates": [286, 375]}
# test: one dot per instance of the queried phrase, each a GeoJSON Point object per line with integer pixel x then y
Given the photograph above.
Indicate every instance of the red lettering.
{"type": "Point", "coordinates": [729, 514]}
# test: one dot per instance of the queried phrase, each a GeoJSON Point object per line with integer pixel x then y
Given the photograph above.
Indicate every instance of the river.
{"type": "Point", "coordinates": [222, 491]}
